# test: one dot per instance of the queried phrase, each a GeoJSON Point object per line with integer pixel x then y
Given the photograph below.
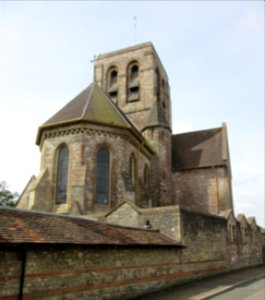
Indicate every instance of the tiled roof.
{"type": "Point", "coordinates": [24, 226]}
{"type": "Point", "coordinates": [197, 149]}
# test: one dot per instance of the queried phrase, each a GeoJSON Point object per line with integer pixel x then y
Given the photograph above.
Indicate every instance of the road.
{"type": "Point", "coordinates": [251, 291]}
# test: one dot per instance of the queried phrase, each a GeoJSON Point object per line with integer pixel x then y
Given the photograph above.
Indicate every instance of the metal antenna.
{"type": "Point", "coordinates": [94, 60]}
{"type": "Point", "coordinates": [135, 23]}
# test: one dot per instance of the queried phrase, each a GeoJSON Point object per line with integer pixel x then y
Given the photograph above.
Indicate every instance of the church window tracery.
{"type": "Point", "coordinates": [102, 176]}
{"type": "Point", "coordinates": [133, 82]}
{"type": "Point", "coordinates": [62, 175]}
{"type": "Point", "coordinates": [112, 82]}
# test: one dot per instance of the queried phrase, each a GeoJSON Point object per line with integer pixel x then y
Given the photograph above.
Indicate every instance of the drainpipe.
{"type": "Point", "coordinates": [23, 258]}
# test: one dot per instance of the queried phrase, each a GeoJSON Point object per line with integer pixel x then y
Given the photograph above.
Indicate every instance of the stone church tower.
{"type": "Point", "coordinates": [113, 143]}
{"type": "Point", "coordinates": [135, 79]}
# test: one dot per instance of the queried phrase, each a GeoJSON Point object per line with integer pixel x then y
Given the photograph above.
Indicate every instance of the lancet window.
{"type": "Point", "coordinates": [62, 174]}
{"type": "Point", "coordinates": [112, 82]}
{"type": "Point", "coordinates": [102, 176]}
{"type": "Point", "coordinates": [133, 82]}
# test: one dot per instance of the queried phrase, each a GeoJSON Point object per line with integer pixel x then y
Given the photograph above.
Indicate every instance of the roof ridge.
{"type": "Point", "coordinates": [91, 86]}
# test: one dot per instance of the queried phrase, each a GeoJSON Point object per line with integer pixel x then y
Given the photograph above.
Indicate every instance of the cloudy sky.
{"type": "Point", "coordinates": [213, 52]}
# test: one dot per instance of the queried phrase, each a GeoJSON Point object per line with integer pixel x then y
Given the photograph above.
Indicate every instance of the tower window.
{"type": "Point", "coordinates": [133, 82]}
{"type": "Point", "coordinates": [157, 84]}
{"type": "Point", "coordinates": [102, 176]}
{"type": "Point", "coordinates": [113, 77]}
{"type": "Point", "coordinates": [112, 82]}
{"type": "Point", "coordinates": [62, 175]}
{"type": "Point", "coordinates": [134, 72]}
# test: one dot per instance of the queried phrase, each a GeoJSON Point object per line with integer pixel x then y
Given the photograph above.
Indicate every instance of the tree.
{"type": "Point", "coordinates": [7, 198]}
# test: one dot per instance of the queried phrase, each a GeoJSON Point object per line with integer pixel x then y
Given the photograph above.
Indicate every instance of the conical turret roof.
{"type": "Point", "coordinates": [157, 117]}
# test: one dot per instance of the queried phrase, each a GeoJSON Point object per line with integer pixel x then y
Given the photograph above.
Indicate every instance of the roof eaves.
{"type": "Point", "coordinates": [51, 125]}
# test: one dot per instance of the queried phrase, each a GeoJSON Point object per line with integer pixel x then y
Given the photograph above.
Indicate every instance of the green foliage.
{"type": "Point", "coordinates": [7, 198]}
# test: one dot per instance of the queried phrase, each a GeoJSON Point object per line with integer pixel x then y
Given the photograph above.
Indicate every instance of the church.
{"type": "Point", "coordinates": [113, 142]}
{"type": "Point", "coordinates": [122, 206]}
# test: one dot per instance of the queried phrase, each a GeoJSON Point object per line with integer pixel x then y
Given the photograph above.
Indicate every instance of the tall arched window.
{"type": "Point", "coordinates": [132, 169]}
{"type": "Point", "coordinates": [113, 83]}
{"type": "Point", "coordinates": [102, 176]}
{"type": "Point", "coordinates": [62, 175]}
{"type": "Point", "coordinates": [133, 82]}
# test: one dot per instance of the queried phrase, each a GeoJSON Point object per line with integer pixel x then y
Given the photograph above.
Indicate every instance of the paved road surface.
{"type": "Point", "coordinates": [251, 291]}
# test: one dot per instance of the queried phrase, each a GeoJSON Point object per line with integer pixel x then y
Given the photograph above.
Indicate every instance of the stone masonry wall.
{"type": "Point", "coordinates": [97, 273]}
{"type": "Point", "coordinates": [54, 272]}
{"type": "Point", "coordinates": [161, 187]}
{"type": "Point", "coordinates": [83, 146]}
{"type": "Point", "coordinates": [204, 190]}
{"type": "Point", "coordinates": [147, 60]}
{"type": "Point", "coordinates": [247, 252]}
{"type": "Point", "coordinates": [205, 237]}
{"type": "Point", "coordinates": [166, 219]}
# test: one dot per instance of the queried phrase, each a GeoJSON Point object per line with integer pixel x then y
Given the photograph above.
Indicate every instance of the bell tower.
{"type": "Point", "coordinates": [135, 79]}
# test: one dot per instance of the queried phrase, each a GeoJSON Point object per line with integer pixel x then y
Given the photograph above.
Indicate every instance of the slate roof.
{"type": "Point", "coordinates": [198, 149]}
{"type": "Point", "coordinates": [92, 105]}
{"type": "Point", "coordinates": [30, 227]}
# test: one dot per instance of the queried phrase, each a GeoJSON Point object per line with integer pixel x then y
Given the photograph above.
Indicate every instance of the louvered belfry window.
{"type": "Point", "coordinates": [133, 82]}
{"type": "Point", "coordinates": [102, 176]}
{"type": "Point", "coordinates": [113, 84]}
{"type": "Point", "coordinates": [62, 175]}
